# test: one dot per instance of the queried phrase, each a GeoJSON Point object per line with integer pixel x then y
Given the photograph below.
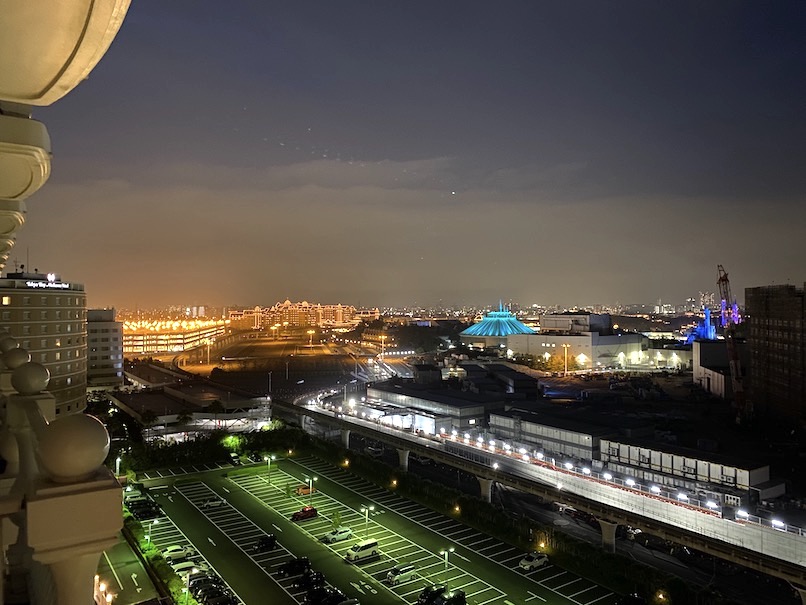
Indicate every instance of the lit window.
{"type": "Point", "coordinates": [6, 301]}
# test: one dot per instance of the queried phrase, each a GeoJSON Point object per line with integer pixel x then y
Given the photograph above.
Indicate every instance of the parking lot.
{"type": "Point", "coordinates": [407, 533]}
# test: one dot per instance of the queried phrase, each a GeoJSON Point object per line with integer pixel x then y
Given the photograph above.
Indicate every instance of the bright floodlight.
{"type": "Point", "coordinates": [495, 465]}
{"type": "Point", "coordinates": [539, 455]}
{"type": "Point", "coordinates": [682, 497]}
{"type": "Point", "coordinates": [777, 523]}
{"type": "Point", "coordinates": [742, 513]}
{"type": "Point", "coordinates": [655, 489]}
{"type": "Point", "coordinates": [586, 470]}
{"type": "Point", "coordinates": [568, 465]}
{"type": "Point", "coordinates": [630, 482]}
{"type": "Point", "coordinates": [710, 504]}
{"type": "Point", "coordinates": [608, 477]}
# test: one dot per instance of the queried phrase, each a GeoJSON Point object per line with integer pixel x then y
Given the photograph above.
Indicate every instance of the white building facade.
{"type": "Point", "coordinates": [104, 349]}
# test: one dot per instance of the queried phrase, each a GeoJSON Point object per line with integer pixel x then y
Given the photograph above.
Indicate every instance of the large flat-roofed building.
{"type": "Point", "coordinates": [303, 314]}
{"type": "Point", "coordinates": [146, 337]}
{"type": "Point", "coordinates": [48, 317]}
{"type": "Point", "coordinates": [776, 340]}
{"type": "Point", "coordinates": [586, 338]}
{"type": "Point", "coordinates": [451, 409]}
{"type": "Point", "coordinates": [104, 349]}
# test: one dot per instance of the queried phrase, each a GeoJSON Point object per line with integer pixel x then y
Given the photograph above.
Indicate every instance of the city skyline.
{"type": "Point", "coordinates": [465, 152]}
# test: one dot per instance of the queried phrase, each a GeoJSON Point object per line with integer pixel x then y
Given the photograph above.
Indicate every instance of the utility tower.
{"type": "Point", "coordinates": [730, 317]}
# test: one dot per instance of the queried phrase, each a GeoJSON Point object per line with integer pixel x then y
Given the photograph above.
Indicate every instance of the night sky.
{"type": "Point", "coordinates": [397, 153]}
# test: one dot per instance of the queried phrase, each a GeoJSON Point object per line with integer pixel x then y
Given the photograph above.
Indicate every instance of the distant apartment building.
{"type": "Point", "coordinates": [303, 314]}
{"type": "Point", "coordinates": [48, 317]}
{"type": "Point", "coordinates": [776, 342]}
{"type": "Point", "coordinates": [104, 349]}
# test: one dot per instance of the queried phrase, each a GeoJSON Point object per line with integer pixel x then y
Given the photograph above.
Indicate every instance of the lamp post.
{"type": "Point", "coordinates": [268, 460]}
{"type": "Point", "coordinates": [310, 338]}
{"type": "Point", "coordinates": [310, 481]}
{"type": "Point", "coordinates": [151, 523]}
{"type": "Point", "coordinates": [445, 554]}
{"type": "Point", "coordinates": [187, 583]}
{"type": "Point", "coordinates": [565, 350]}
{"type": "Point", "coordinates": [117, 466]}
{"type": "Point", "coordinates": [365, 510]}
{"type": "Point", "coordinates": [268, 394]}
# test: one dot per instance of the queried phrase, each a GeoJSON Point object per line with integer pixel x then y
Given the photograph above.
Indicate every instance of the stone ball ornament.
{"type": "Point", "coordinates": [7, 342]}
{"type": "Point", "coordinates": [29, 378]}
{"type": "Point", "coordinates": [73, 447]}
{"type": "Point", "coordinates": [16, 358]}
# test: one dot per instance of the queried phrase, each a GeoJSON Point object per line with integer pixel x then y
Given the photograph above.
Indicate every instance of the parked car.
{"type": "Point", "coordinates": [264, 543]}
{"type": "Point", "coordinates": [533, 560]}
{"type": "Point", "coordinates": [337, 535]}
{"type": "Point", "coordinates": [317, 594]}
{"type": "Point", "coordinates": [304, 490]}
{"type": "Point", "coordinates": [306, 512]}
{"type": "Point", "coordinates": [235, 459]}
{"type": "Point", "coordinates": [185, 567]}
{"type": "Point", "coordinates": [400, 573]}
{"type": "Point", "coordinates": [213, 502]}
{"type": "Point", "coordinates": [294, 567]}
{"type": "Point", "coordinates": [430, 594]}
{"type": "Point", "coordinates": [309, 579]}
{"type": "Point", "coordinates": [456, 597]}
{"type": "Point", "coordinates": [176, 553]}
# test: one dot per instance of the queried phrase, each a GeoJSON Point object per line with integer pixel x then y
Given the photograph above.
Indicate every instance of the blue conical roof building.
{"type": "Point", "coordinates": [493, 329]}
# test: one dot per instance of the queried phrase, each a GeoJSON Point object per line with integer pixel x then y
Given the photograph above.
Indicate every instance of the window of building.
{"type": "Point", "coordinates": [6, 301]}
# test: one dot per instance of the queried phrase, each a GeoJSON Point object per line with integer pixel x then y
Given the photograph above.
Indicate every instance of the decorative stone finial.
{"type": "Point", "coordinates": [73, 447]}
{"type": "Point", "coordinates": [29, 377]}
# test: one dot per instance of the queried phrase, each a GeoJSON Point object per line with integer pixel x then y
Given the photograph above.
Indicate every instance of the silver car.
{"type": "Point", "coordinates": [337, 535]}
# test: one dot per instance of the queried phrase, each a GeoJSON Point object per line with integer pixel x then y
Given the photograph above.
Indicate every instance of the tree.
{"type": "Point", "coordinates": [184, 417]}
{"type": "Point", "coordinates": [215, 407]}
{"type": "Point", "coordinates": [148, 418]}
{"type": "Point", "coordinates": [336, 519]}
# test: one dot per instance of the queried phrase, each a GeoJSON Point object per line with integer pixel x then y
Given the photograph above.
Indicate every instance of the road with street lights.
{"type": "Point", "coordinates": [442, 549]}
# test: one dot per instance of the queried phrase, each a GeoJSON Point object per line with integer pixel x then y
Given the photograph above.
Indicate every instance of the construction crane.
{"type": "Point", "coordinates": [730, 318]}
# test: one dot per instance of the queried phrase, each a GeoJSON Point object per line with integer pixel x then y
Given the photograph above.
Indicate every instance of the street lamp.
{"type": "Point", "coordinates": [365, 510]}
{"type": "Point", "coordinates": [150, 525]}
{"type": "Point", "coordinates": [187, 583]}
{"type": "Point", "coordinates": [310, 481]}
{"type": "Point", "coordinates": [565, 350]}
{"type": "Point", "coordinates": [310, 338]}
{"type": "Point", "coordinates": [268, 460]}
{"type": "Point", "coordinates": [117, 466]}
{"type": "Point", "coordinates": [445, 554]}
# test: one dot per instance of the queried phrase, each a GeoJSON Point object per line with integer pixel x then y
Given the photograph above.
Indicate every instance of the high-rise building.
{"type": "Point", "coordinates": [48, 317]}
{"type": "Point", "coordinates": [776, 339]}
{"type": "Point", "coordinates": [104, 349]}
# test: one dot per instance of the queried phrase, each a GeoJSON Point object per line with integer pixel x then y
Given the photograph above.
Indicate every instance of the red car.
{"type": "Point", "coordinates": [306, 512]}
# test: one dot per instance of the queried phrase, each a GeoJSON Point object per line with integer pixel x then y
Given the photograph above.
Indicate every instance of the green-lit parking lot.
{"type": "Point", "coordinates": [256, 504]}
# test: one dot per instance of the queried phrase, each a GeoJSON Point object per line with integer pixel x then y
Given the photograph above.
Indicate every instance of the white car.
{"type": "Point", "coordinates": [213, 502]}
{"type": "Point", "coordinates": [533, 560]}
{"type": "Point", "coordinates": [186, 567]}
{"type": "Point", "coordinates": [177, 553]}
{"type": "Point", "coordinates": [337, 535]}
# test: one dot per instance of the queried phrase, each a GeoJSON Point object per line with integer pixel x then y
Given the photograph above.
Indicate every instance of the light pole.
{"type": "Point", "coordinates": [268, 394]}
{"type": "Point", "coordinates": [365, 510]}
{"type": "Point", "coordinates": [274, 331]}
{"type": "Point", "coordinates": [117, 466]}
{"type": "Point", "coordinates": [151, 523]}
{"type": "Point", "coordinates": [310, 481]}
{"type": "Point", "coordinates": [187, 583]}
{"type": "Point", "coordinates": [445, 554]}
{"type": "Point", "coordinates": [565, 350]}
{"type": "Point", "coordinates": [268, 460]}
{"type": "Point", "coordinates": [310, 338]}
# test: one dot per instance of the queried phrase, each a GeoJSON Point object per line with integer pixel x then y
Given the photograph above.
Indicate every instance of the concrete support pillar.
{"type": "Point", "coordinates": [403, 456]}
{"type": "Point", "coordinates": [486, 488]}
{"type": "Point", "coordinates": [608, 535]}
{"type": "Point", "coordinates": [345, 438]}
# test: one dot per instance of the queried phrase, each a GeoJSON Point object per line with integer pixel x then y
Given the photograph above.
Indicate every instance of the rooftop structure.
{"type": "Point", "coordinates": [493, 329]}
